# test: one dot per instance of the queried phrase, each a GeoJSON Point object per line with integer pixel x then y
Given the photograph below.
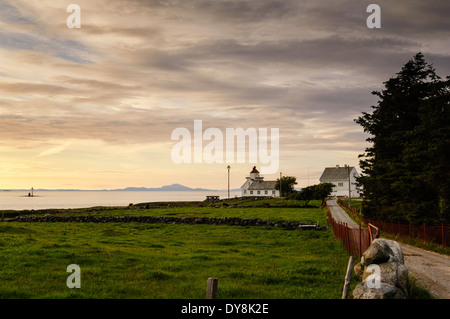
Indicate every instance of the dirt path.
{"type": "Point", "coordinates": [340, 215]}
{"type": "Point", "coordinates": [431, 269]}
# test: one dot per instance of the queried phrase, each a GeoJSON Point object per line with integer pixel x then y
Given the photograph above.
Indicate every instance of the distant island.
{"type": "Point", "coordinates": [166, 188]}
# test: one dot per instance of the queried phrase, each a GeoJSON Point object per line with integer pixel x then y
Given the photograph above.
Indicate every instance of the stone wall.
{"type": "Point", "coordinates": [166, 220]}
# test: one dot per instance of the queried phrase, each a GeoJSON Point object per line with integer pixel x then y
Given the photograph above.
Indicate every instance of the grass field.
{"type": "Point", "coordinates": [136, 260]}
{"type": "Point", "coordinates": [306, 215]}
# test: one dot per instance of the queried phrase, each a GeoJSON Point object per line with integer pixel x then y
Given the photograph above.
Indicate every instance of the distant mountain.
{"type": "Point", "coordinates": [167, 188]}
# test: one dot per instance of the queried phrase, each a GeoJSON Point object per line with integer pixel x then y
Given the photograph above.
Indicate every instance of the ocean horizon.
{"type": "Point", "coordinates": [66, 199]}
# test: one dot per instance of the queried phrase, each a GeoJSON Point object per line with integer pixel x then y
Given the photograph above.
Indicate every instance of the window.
{"type": "Point", "coordinates": [340, 184]}
{"type": "Point", "coordinates": [259, 192]}
{"type": "Point", "coordinates": [251, 192]}
{"type": "Point", "coordinates": [266, 192]}
{"type": "Point", "coordinates": [273, 192]}
{"type": "Point", "coordinates": [245, 192]}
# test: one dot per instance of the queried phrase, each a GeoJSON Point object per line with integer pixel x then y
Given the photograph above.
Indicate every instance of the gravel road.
{"type": "Point", "coordinates": [431, 269]}
{"type": "Point", "coordinates": [340, 215]}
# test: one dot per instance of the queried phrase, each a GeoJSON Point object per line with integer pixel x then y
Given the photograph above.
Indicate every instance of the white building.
{"type": "Point", "coordinates": [339, 176]}
{"type": "Point", "coordinates": [255, 185]}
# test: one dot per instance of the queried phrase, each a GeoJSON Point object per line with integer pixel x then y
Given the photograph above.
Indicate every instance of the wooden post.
{"type": "Point", "coordinates": [211, 288]}
{"type": "Point", "coordinates": [360, 244]}
{"type": "Point", "coordinates": [348, 277]}
{"type": "Point", "coordinates": [347, 237]}
{"type": "Point", "coordinates": [443, 237]}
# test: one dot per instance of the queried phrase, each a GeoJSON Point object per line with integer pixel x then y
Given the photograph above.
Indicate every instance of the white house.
{"type": "Point", "coordinates": [339, 176]}
{"type": "Point", "coordinates": [255, 185]}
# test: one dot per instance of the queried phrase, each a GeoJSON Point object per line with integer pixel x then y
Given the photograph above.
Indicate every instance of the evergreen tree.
{"type": "Point", "coordinates": [406, 169]}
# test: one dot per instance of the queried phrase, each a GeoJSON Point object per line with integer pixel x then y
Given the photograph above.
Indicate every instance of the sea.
{"type": "Point", "coordinates": [19, 200]}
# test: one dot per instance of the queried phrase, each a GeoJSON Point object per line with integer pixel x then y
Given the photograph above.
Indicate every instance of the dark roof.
{"type": "Point", "coordinates": [335, 173]}
{"type": "Point", "coordinates": [262, 185]}
{"type": "Point", "coordinates": [254, 170]}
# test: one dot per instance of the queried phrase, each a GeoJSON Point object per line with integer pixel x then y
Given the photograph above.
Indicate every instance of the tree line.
{"type": "Point", "coordinates": [286, 185]}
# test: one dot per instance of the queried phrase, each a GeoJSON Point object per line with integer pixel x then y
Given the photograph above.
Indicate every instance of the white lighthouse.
{"type": "Point", "coordinates": [256, 186]}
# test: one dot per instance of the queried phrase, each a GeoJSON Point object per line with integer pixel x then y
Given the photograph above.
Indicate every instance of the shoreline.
{"type": "Point", "coordinates": [15, 200]}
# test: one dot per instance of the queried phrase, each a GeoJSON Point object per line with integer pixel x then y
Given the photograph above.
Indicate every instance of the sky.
{"type": "Point", "coordinates": [95, 107]}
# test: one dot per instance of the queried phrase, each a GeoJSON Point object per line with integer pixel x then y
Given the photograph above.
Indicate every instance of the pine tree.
{"type": "Point", "coordinates": [405, 170]}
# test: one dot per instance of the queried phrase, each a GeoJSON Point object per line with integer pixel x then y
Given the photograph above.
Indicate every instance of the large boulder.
{"type": "Point", "coordinates": [392, 273]}
{"type": "Point", "coordinates": [376, 254]}
{"type": "Point", "coordinates": [383, 250]}
{"type": "Point", "coordinates": [385, 291]}
{"type": "Point", "coordinates": [396, 253]}
{"type": "Point", "coordinates": [380, 251]}
{"type": "Point", "coordinates": [382, 271]}
{"type": "Point", "coordinates": [359, 269]}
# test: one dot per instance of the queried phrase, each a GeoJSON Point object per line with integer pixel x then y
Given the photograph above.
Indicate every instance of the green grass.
{"type": "Point", "coordinates": [356, 203]}
{"type": "Point", "coordinates": [305, 215]}
{"type": "Point", "coordinates": [274, 202]}
{"type": "Point", "coordinates": [417, 291]}
{"type": "Point", "coordinates": [168, 261]}
{"type": "Point", "coordinates": [445, 250]}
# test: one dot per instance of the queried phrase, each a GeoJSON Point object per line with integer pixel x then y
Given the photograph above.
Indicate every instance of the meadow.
{"type": "Point", "coordinates": [172, 261]}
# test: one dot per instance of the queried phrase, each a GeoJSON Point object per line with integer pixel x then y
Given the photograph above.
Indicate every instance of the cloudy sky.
{"type": "Point", "coordinates": [95, 107]}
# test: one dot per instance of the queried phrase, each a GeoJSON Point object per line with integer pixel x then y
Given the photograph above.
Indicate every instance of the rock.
{"type": "Point", "coordinates": [382, 271]}
{"type": "Point", "coordinates": [376, 254]}
{"type": "Point", "coordinates": [359, 269]}
{"type": "Point", "coordinates": [385, 291]}
{"type": "Point", "coordinates": [397, 253]}
{"type": "Point", "coordinates": [383, 250]}
{"type": "Point", "coordinates": [392, 273]}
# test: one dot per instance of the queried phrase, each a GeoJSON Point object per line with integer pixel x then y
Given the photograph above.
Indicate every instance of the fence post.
{"type": "Point", "coordinates": [360, 244]}
{"type": "Point", "coordinates": [211, 288]}
{"type": "Point", "coordinates": [348, 277]}
{"type": "Point", "coordinates": [339, 230]}
{"type": "Point", "coordinates": [347, 233]}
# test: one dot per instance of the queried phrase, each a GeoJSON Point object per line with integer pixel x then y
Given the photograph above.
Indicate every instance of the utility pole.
{"type": "Point", "coordinates": [280, 184]}
{"type": "Point", "coordinates": [349, 191]}
{"type": "Point", "coordinates": [228, 168]}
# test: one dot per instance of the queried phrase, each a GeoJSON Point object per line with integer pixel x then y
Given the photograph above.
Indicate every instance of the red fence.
{"type": "Point", "coordinates": [437, 234]}
{"type": "Point", "coordinates": [355, 240]}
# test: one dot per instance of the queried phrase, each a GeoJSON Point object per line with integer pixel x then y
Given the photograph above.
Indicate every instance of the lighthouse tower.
{"type": "Point", "coordinates": [254, 174]}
